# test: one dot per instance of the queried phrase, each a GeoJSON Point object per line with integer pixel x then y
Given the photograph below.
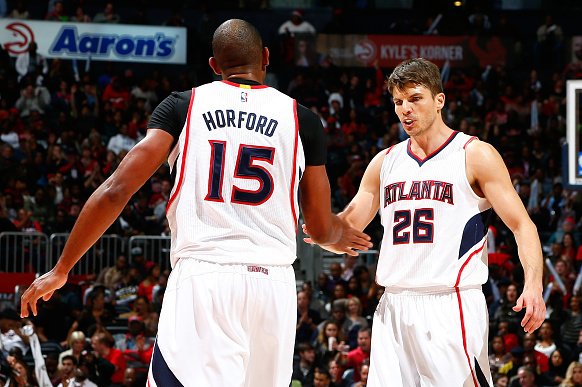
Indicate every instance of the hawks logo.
{"type": "Point", "coordinates": [22, 34]}
{"type": "Point", "coordinates": [365, 51]}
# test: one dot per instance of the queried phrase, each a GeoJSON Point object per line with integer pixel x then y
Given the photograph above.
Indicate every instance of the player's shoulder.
{"type": "Point", "coordinates": [181, 95]}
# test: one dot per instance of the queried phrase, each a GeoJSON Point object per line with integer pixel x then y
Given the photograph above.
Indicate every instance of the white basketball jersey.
{"type": "Point", "coordinates": [435, 226]}
{"type": "Point", "coordinates": [239, 159]}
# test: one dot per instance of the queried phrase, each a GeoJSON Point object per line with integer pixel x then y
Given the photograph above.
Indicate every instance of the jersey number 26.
{"type": "Point", "coordinates": [422, 228]}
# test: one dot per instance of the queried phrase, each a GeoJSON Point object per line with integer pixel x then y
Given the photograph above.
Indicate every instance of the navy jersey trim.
{"type": "Point", "coordinates": [433, 154]}
{"type": "Point", "coordinates": [474, 231]}
{"type": "Point", "coordinates": [162, 374]}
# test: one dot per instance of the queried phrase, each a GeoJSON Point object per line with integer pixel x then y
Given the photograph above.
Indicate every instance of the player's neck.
{"type": "Point", "coordinates": [248, 75]}
{"type": "Point", "coordinates": [428, 141]}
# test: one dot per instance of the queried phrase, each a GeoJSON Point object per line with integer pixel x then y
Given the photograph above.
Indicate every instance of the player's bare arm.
{"type": "Point", "coordinates": [323, 228]}
{"type": "Point", "coordinates": [363, 207]}
{"type": "Point", "coordinates": [100, 211]}
{"type": "Point", "coordinates": [489, 177]}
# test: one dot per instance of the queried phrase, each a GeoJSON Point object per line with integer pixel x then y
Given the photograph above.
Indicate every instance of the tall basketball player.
{"type": "Point", "coordinates": [435, 192]}
{"type": "Point", "coordinates": [241, 151]}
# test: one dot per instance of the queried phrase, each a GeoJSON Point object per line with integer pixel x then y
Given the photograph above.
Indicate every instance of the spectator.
{"type": "Point", "coordinates": [77, 343]}
{"type": "Point", "coordinates": [81, 380]}
{"type": "Point", "coordinates": [329, 341]}
{"type": "Point", "coordinates": [526, 376]}
{"type": "Point", "coordinates": [546, 344]}
{"type": "Point", "coordinates": [304, 368]}
{"type": "Point", "coordinates": [107, 16]}
{"type": "Point", "coordinates": [296, 25]}
{"type": "Point", "coordinates": [102, 343]}
{"type": "Point", "coordinates": [363, 374]}
{"type": "Point", "coordinates": [321, 378]}
{"type": "Point", "coordinates": [573, 375]}
{"type": "Point", "coordinates": [336, 373]}
{"type": "Point", "coordinates": [20, 11]}
{"type": "Point", "coordinates": [10, 335]}
{"type": "Point", "coordinates": [80, 16]}
{"type": "Point", "coordinates": [33, 99]}
{"type": "Point", "coordinates": [68, 368]}
{"type": "Point", "coordinates": [121, 142]}
{"type": "Point", "coordinates": [57, 13]}
{"type": "Point", "coordinates": [142, 310]}
{"type": "Point", "coordinates": [31, 62]}
{"type": "Point", "coordinates": [112, 276]}
{"type": "Point", "coordinates": [97, 312]}
{"type": "Point", "coordinates": [499, 356]}
{"type": "Point", "coordinates": [572, 326]}
{"type": "Point", "coordinates": [307, 319]}
{"type": "Point", "coordinates": [557, 372]}
{"type": "Point", "coordinates": [355, 358]}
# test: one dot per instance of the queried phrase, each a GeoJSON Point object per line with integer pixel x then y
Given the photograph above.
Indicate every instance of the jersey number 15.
{"type": "Point", "coordinates": [245, 169]}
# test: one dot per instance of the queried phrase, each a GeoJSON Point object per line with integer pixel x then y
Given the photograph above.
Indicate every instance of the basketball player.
{"type": "Point", "coordinates": [240, 151]}
{"type": "Point", "coordinates": [435, 192]}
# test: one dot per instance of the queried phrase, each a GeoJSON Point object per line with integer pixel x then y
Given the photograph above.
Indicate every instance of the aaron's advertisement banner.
{"type": "Point", "coordinates": [105, 42]}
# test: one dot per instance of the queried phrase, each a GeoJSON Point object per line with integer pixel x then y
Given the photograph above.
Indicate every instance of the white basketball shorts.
{"type": "Point", "coordinates": [226, 325]}
{"type": "Point", "coordinates": [430, 339]}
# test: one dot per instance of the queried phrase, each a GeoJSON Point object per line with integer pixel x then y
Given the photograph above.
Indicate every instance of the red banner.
{"type": "Point", "coordinates": [390, 50]}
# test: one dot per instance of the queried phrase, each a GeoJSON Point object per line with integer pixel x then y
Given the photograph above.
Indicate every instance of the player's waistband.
{"type": "Point", "coordinates": [196, 266]}
{"type": "Point", "coordinates": [427, 290]}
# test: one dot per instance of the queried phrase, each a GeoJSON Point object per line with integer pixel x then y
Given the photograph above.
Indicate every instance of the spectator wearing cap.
{"type": "Point", "coordinates": [10, 335]}
{"type": "Point", "coordinates": [296, 25]}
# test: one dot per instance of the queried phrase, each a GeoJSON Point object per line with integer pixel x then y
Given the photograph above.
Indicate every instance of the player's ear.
{"type": "Point", "coordinates": [265, 57]}
{"type": "Point", "coordinates": [214, 65]}
{"type": "Point", "coordinates": [440, 101]}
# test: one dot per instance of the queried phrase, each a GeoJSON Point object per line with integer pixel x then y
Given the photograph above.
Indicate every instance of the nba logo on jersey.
{"type": "Point", "coordinates": [244, 96]}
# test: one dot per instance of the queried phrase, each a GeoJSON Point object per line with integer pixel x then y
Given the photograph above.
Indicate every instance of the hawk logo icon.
{"type": "Point", "coordinates": [244, 96]}
{"type": "Point", "coordinates": [22, 34]}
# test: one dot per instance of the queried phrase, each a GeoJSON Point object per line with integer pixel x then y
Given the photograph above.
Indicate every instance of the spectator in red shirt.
{"type": "Point", "coordinates": [102, 343]}
{"type": "Point", "coordinates": [116, 94]}
{"type": "Point", "coordinates": [356, 357]}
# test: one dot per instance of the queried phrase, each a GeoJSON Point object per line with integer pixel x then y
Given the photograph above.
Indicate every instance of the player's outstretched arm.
{"type": "Point", "coordinates": [100, 211]}
{"type": "Point", "coordinates": [363, 207]}
{"type": "Point", "coordinates": [323, 227]}
{"type": "Point", "coordinates": [486, 168]}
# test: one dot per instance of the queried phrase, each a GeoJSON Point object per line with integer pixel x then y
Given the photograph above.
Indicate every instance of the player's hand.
{"type": "Point", "coordinates": [44, 286]}
{"type": "Point", "coordinates": [535, 309]}
{"type": "Point", "coordinates": [350, 241]}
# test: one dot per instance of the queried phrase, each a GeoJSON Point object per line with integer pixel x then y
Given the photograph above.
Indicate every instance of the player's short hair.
{"type": "Point", "coordinates": [237, 43]}
{"type": "Point", "coordinates": [417, 71]}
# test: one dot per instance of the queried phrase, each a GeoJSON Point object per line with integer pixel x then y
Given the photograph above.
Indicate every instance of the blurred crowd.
{"type": "Point", "coordinates": [66, 125]}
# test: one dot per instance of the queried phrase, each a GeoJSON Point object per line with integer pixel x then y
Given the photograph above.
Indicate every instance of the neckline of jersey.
{"type": "Point", "coordinates": [244, 83]}
{"type": "Point", "coordinates": [421, 161]}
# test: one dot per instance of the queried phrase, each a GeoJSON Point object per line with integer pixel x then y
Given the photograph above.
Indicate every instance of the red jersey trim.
{"type": "Point", "coordinates": [243, 86]}
{"type": "Point", "coordinates": [388, 150]}
{"type": "Point", "coordinates": [463, 332]}
{"type": "Point", "coordinates": [469, 141]}
{"type": "Point", "coordinates": [293, 174]}
{"type": "Point", "coordinates": [184, 154]}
